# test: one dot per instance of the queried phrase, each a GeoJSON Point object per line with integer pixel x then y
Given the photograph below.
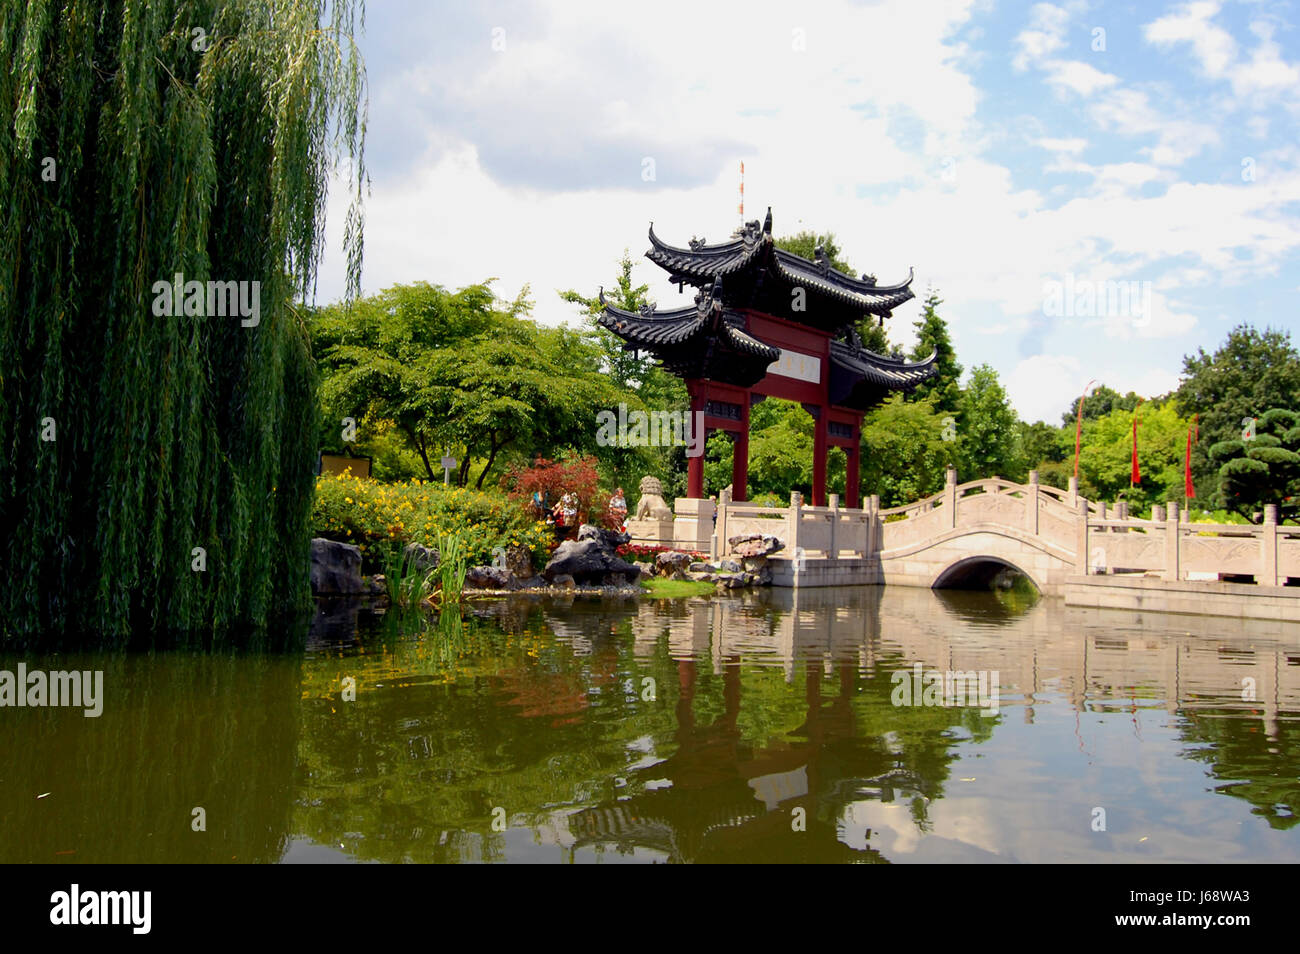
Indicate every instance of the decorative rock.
{"type": "Point", "coordinates": [730, 566]}
{"type": "Point", "coordinates": [671, 561]}
{"type": "Point", "coordinates": [335, 568]}
{"type": "Point", "coordinates": [564, 580]}
{"type": "Point", "coordinates": [611, 538]}
{"type": "Point", "coordinates": [590, 560]}
{"type": "Point", "coordinates": [490, 578]}
{"type": "Point", "coordinates": [754, 564]}
{"type": "Point", "coordinates": [519, 561]}
{"type": "Point", "coordinates": [753, 544]}
{"type": "Point", "coordinates": [421, 558]}
{"type": "Point", "coordinates": [699, 568]}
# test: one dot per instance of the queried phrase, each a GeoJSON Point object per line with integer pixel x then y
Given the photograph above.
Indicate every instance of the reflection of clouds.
{"type": "Point", "coordinates": [888, 826]}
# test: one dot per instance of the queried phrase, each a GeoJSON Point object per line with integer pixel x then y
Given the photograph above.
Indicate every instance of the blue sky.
{"type": "Point", "coordinates": [1007, 151]}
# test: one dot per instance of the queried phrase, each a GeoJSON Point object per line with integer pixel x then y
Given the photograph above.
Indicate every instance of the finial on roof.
{"type": "Point", "coordinates": [767, 222]}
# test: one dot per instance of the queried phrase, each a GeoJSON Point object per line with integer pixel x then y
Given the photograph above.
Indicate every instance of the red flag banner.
{"type": "Point", "coordinates": [1188, 488]}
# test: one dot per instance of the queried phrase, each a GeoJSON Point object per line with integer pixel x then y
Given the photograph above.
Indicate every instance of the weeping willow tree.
{"type": "Point", "coordinates": [157, 468]}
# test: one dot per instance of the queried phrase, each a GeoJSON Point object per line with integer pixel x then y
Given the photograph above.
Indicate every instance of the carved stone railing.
{"type": "Point", "coordinates": [1092, 536]}
{"type": "Point", "coordinates": [1175, 549]}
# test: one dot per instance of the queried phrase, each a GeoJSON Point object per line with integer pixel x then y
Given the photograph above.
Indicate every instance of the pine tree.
{"type": "Point", "coordinates": [932, 335]}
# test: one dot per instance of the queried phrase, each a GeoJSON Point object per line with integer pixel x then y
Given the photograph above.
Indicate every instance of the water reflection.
{"type": "Point", "coordinates": [758, 728]}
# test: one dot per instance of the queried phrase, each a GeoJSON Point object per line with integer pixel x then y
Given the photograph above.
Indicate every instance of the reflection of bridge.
{"type": "Point", "coordinates": [712, 795]}
{"type": "Point", "coordinates": [967, 533]}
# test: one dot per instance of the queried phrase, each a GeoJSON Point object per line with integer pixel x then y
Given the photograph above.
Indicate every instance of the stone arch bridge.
{"type": "Point", "coordinates": [967, 533]}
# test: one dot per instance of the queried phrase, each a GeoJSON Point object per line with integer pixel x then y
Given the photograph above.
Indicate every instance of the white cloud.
{"type": "Point", "coordinates": [1072, 146]}
{"type": "Point", "coordinates": [1045, 35]}
{"type": "Point", "coordinates": [1077, 77]}
{"type": "Point", "coordinates": [1214, 47]}
{"type": "Point", "coordinates": [1217, 53]}
{"type": "Point", "coordinates": [1042, 386]}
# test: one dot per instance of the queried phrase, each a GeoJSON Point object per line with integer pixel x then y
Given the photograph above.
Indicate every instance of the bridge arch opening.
{"type": "Point", "coordinates": [983, 573]}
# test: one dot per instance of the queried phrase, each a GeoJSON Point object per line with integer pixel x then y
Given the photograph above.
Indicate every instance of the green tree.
{"type": "Point", "coordinates": [132, 150]}
{"type": "Point", "coordinates": [988, 430]}
{"type": "Point", "coordinates": [1099, 402]}
{"type": "Point", "coordinates": [932, 336]}
{"type": "Point", "coordinates": [1106, 457]}
{"type": "Point", "coordinates": [453, 371]}
{"type": "Point", "coordinates": [904, 451]}
{"type": "Point", "coordinates": [1263, 466]}
{"type": "Point", "coordinates": [638, 375]}
{"type": "Point", "coordinates": [804, 244]}
{"type": "Point", "coordinates": [1251, 372]}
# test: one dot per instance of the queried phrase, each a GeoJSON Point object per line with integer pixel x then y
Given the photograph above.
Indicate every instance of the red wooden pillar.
{"type": "Point", "coordinates": [695, 465]}
{"type": "Point", "coordinates": [819, 456]}
{"type": "Point", "coordinates": [740, 455]}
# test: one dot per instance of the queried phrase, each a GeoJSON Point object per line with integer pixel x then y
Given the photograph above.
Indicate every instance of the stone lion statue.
{"type": "Point", "coordinates": [651, 505]}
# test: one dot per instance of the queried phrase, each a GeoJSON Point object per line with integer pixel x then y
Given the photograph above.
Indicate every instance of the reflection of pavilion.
{"type": "Point", "coordinates": [717, 799]}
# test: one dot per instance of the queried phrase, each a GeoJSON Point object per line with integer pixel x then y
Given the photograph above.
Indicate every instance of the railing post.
{"type": "Point", "coordinates": [950, 496]}
{"type": "Point", "coordinates": [873, 526]}
{"type": "Point", "coordinates": [720, 525]}
{"type": "Point", "coordinates": [833, 504]}
{"type": "Point", "coordinates": [1101, 515]}
{"type": "Point", "coordinates": [1074, 492]}
{"type": "Point", "coordinates": [1031, 504]}
{"type": "Point", "coordinates": [1268, 543]}
{"type": "Point", "coordinates": [1157, 513]}
{"type": "Point", "coordinates": [1081, 538]}
{"type": "Point", "coordinates": [1172, 533]}
{"type": "Point", "coordinates": [794, 518]}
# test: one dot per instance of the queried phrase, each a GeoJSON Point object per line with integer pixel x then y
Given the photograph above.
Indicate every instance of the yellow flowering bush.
{"type": "Point", "coordinates": [379, 516]}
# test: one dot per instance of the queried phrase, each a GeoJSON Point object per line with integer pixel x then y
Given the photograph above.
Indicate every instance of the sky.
{"type": "Point", "coordinates": [1094, 189]}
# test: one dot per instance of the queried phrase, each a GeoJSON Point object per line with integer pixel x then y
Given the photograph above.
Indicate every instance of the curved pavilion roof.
{"type": "Point", "coordinates": [711, 339]}
{"type": "Point", "coordinates": [762, 276]}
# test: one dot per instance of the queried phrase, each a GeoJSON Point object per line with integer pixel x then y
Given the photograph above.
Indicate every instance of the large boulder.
{"type": "Point", "coordinates": [590, 560]}
{"type": "Point", "coordinates": [335, 568]}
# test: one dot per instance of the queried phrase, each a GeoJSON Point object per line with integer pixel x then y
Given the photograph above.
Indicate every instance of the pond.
{"type": "Point", "coordinates": [774, 726]}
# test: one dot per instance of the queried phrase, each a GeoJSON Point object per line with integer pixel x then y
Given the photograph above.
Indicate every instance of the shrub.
{"type": "Point", "coordinates": [379, 516]}
{"type": "Point", "coordinates": [554, 478]}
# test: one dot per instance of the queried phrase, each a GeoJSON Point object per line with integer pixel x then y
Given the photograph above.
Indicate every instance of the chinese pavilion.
{"type": "Point", "coordinates": [769, 323]}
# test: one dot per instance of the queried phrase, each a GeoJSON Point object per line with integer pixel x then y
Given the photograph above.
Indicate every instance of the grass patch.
{"type": "Point", "coordinates": [675, 589]}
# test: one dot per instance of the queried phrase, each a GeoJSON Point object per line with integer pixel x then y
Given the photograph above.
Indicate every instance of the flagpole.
{"type": "Point", "coordinates": [1078, 428]}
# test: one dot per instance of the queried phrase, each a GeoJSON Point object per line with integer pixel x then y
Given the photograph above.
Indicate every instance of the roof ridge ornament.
{"type": "Point", "coordinates": [869, 279]}
{"type": "Point", "coordinates": [822, 259]}
{"type": "Point", "coordinates": [697, 243]}
{"type": "Point", "coordinates": [767, 222]}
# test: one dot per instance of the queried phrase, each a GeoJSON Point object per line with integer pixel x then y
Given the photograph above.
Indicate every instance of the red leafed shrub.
{"type": "Point", "coordinates": [554, 478]}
